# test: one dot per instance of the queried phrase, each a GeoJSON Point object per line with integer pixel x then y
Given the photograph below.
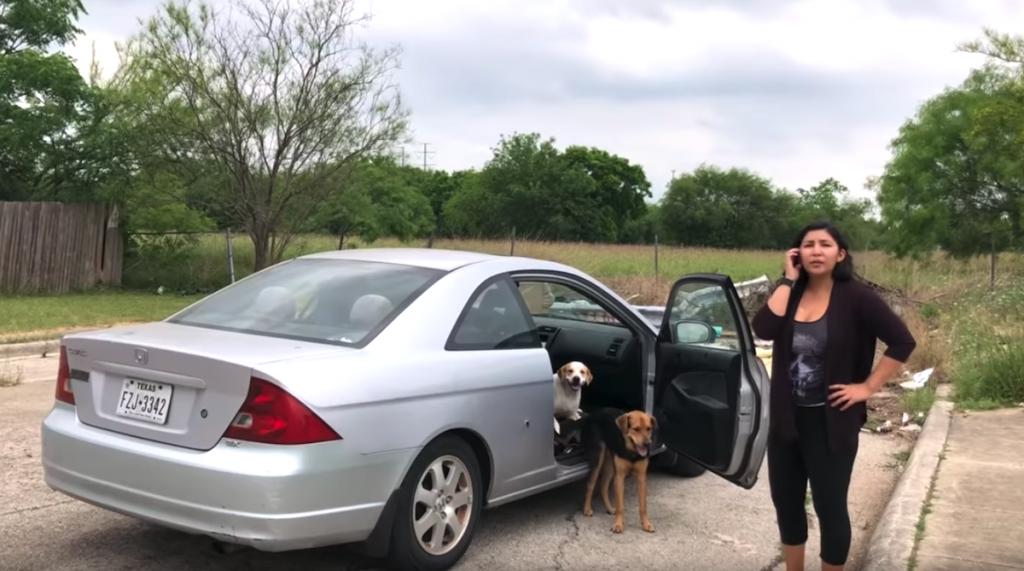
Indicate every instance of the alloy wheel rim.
{"type": "Point", "coordinates": [442, 505]}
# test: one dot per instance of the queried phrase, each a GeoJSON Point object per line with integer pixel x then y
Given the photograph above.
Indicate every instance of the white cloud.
{"type": "Point", "coordinates": [805, 89]}
{"type": "Point", "coordinates": [98, 45]}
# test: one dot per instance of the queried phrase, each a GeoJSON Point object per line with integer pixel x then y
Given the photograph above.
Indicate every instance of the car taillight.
{"type": "Point", "coordinates": [63, 392]}
{"type": "Point", "coordinates": [272, 416]}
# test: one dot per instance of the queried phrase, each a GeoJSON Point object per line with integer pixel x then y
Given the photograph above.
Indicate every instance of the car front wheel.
{"type": "Point", "coordinates": [441, 500]}
{"type": "Point", "coordinates": [678, 465]}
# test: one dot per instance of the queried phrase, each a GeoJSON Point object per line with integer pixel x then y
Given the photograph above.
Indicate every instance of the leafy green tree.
{"type": "Point", "coordinates": [955, 177]}
{"type": "Point", "coordinates": [831, 200]}
{"type": "Point", "coordinates": [278, 101]}
{"type": "Point", "coordinates": [376, 198]}
{"type": "Point", "coordinates": [732, 208]}
{"type": "Point", "coordinates": [643, 229]}
{"type": "Point", "coordinates": [439, 187]}
{"type": "Point", "coordinates": [621, 187]}
{"type": "Point", "coordinates": [40, 91]}
{"type": "Point", "coordinates": [582, 194]}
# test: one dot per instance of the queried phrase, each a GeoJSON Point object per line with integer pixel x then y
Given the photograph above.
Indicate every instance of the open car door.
{"type": "Point", "coordinates": [711, 389]}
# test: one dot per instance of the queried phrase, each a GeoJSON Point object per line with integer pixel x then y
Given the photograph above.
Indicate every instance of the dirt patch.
{"type": "Point", "coordinates": [886, 411]}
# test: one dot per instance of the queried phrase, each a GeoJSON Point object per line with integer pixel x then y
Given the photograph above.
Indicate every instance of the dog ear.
{"type": "Point", "coordinates": [654, 422]}
{"type": "Point", "coordinates": [623, 423]}
{"type": "Point", "coordinates": [588, 377]}
{"type": "Point", "coordinates": [561, 371]}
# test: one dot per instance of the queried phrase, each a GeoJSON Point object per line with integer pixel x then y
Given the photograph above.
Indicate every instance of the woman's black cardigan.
{"type": "Point", "coordinates": [857, 316]}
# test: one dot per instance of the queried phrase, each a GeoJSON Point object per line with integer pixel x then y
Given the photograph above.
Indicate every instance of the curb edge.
{"type": "Point", "coordinates": [32, 349]}
{"type": "Point", "coordinates": [892, 541]}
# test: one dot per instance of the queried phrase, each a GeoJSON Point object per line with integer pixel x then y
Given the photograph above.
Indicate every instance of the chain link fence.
{"type": "Point", "coordinates": [182, 261]}
{"type": "Point", "coordinates": [199, 262]}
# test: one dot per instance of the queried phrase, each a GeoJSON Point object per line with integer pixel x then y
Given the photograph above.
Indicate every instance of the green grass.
{"type": "Point", "coordinates": [31, 318]}
{"type": "Point", "coordinates": [988, 347]}
{"type": "Point", "coordinates": [919, 401]}
{"type": "Point", "coordinates": [926, 509]}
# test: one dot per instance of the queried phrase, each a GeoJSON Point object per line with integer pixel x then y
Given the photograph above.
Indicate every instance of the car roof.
{"type": "Point", "coordinates": [435, 258]}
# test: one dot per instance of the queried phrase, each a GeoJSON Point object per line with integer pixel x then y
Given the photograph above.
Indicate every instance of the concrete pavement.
{"type": "Point", "coordinates": [30, 369]}
{"type": "Point", "coordinates": [975, 516]}
{"type": "Point", "coordinates": [702, 523]}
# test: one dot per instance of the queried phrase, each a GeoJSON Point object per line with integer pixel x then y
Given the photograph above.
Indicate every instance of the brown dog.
{"type": "Point", "coordinates": [618, 444]}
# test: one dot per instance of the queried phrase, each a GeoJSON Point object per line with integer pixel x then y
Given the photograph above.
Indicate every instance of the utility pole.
{"type": "Point", "coordinates": [426, 155]}
{"type": "Point", "coordinates": [673, 174]}
{"type": "Point", "coordinates": [403, 155]}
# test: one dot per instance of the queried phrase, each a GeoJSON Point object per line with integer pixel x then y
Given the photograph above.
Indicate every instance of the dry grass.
{"type": "Point", "coordinates": [202, 261]}
{"type": "Point", "coordinates": [11, 373]}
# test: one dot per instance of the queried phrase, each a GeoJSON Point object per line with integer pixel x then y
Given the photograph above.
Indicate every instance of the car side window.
{"type": "Point", "coordinates": [555, 300]}
{"type": "Point", "coordinates": [494, 319]}
{"type": "Point", "coordinates": [701, 313]}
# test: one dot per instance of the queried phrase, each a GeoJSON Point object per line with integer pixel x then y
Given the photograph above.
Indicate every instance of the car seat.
{"type": "Point", "coordinates": [369, 310]}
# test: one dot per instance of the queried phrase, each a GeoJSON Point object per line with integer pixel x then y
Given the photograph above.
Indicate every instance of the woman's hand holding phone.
{"type": "Point", "coordinates": [792, 270]}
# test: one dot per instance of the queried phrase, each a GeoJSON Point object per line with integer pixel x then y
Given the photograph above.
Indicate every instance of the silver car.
{"type": "Point", "coordinates": [385, 397]}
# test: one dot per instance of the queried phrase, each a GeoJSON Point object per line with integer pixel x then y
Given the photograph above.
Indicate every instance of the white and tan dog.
{"type": "Point", "coordinates": [569, 381]}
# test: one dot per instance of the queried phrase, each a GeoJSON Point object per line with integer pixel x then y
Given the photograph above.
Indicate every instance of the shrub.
{"type": "Point", "coordinates": [996, 378]}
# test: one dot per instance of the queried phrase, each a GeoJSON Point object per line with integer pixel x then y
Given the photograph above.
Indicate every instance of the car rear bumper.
{"type": "Point", "coordinates": [272, 498]}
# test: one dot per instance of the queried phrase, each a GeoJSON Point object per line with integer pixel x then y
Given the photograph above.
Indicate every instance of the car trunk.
{"type": "Point", "coordinates": [169, 383]}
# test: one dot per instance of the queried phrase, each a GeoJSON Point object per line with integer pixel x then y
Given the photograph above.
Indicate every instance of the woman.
{"type": "Point", "coordinates": [824, 324]}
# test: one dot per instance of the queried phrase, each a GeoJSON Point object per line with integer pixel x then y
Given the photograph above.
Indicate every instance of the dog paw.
{"type": "Point", "coordinates": [587, 512]}
{"type": "Point", "coordinates": [648, 527]}
{"type": "Point", "coordinates": [617, 528]}
{"type": "Point", "coordinates": [610, 511]}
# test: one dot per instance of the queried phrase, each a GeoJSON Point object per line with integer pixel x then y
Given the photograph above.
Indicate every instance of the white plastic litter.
{"type": "Point", "coordinates": [918, 380]}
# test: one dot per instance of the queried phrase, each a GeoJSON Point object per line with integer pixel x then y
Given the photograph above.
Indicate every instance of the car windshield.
{"type": "Point", "coordinates": [345, 302]}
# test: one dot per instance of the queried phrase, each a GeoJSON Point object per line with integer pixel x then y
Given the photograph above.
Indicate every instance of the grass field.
{"type": "Point", "coordinates": [36, 318]}
{"type": "Point", "coordinates": [965, 330]}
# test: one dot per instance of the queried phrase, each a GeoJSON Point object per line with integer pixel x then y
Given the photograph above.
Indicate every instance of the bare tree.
{"type": "Point", "coordinates": [278, 94]}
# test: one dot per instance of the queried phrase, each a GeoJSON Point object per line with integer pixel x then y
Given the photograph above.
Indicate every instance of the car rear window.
{"type": "Point", "coordinates": [344, 302]}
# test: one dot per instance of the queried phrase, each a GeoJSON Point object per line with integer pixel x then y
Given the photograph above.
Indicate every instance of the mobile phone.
{"type": "Point", "coordinates": [794, 260]}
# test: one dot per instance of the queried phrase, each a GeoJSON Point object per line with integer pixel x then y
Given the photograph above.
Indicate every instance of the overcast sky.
{"type": "Point", "coordinates": [797, 91]}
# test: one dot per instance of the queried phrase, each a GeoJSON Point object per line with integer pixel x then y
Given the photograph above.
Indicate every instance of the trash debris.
{"type": "Point", "coordinates": [918, 380]}
{"type": "Point", "coordinates": [906, 419]}
{"type": "Point", "coordinates": [885, 427]}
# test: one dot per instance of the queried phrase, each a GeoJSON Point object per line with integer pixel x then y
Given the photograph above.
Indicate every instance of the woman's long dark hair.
{"type": "Point", "coordinates": [843, 272]}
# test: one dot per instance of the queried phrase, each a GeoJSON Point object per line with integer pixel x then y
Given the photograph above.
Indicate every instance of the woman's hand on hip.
{"type": "Point", "coordinates": [845, 396]}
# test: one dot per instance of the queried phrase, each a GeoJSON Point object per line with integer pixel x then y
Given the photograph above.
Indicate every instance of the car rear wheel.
{"type": "Point", "coordinates": [441, 499]}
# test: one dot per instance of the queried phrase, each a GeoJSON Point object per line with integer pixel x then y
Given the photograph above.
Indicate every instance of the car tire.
{"type": "Point", "coordinates": [677, 465]}
{"type": "Point", "coordinates": [409, 550]}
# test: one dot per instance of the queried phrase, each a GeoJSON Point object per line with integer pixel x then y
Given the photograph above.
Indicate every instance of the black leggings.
{"type": "Point", "coordinates": [809, 457]}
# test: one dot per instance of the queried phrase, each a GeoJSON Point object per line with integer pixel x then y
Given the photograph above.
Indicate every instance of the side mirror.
{"type": "Point", "coordinates": [687, 331]}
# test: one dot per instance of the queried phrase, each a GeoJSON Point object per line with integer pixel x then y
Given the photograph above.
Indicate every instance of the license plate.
{"type": "Point", "coordinates": [145, 400]}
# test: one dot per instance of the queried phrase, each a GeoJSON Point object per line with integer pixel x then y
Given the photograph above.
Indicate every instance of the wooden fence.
{"type": "Point", "coordinates": [55, 248]}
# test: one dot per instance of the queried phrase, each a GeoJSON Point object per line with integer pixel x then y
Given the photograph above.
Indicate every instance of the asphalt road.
{"type": "Point", "coordinates": [702, 523]}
